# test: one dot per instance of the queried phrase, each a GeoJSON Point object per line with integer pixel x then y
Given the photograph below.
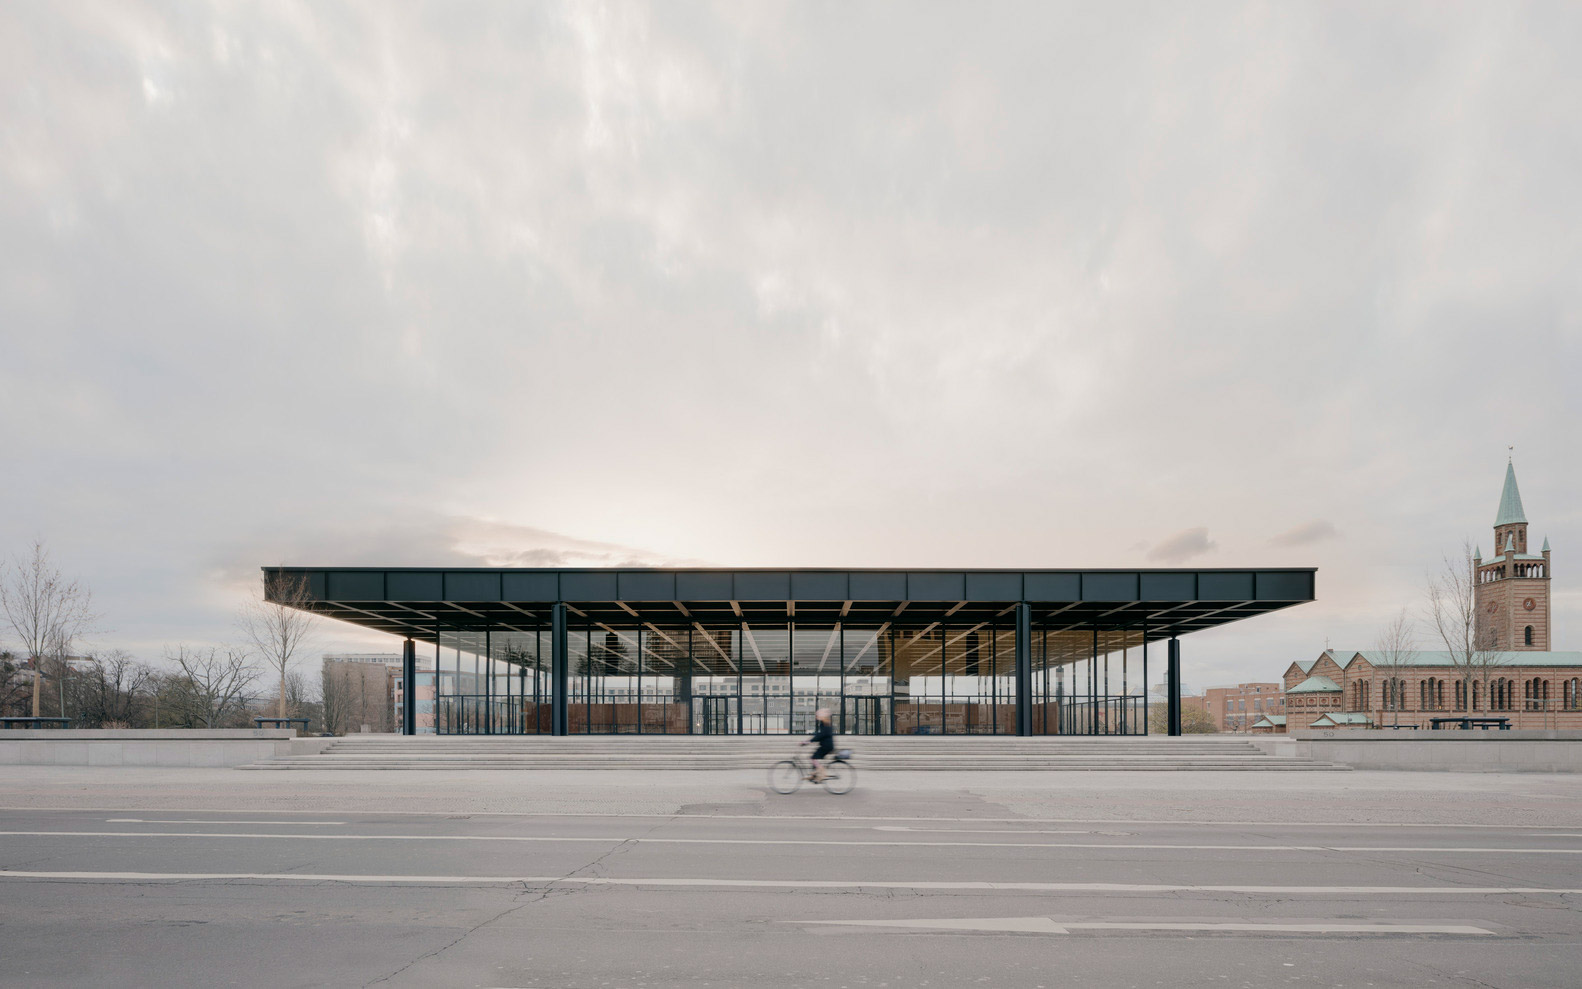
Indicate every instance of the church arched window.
{"type": "Point", "coordinates": [1529, 635]}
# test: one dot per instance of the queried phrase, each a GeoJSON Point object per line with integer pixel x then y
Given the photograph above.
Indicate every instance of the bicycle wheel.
{"type": "Point", "coordinates": [842, 777]}
{"type": "Point", "coordinates": [785, 777]}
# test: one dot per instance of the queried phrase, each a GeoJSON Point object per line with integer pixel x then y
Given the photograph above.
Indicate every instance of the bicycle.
{"type": "Point", "coordinates": [839, 774]}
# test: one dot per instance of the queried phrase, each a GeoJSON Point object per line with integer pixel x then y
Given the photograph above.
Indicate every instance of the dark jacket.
{"type": "Point", "coordinates": [823, 734]}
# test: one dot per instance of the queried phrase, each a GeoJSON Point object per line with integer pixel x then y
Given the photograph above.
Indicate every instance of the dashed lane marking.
{"type": "Point", "coordinates": [1048, 925]}
{"type": "Point", "coordinates": [194, 820]}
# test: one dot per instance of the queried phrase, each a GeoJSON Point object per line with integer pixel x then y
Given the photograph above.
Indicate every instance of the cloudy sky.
{"type": "Point", "coordinates": [766, 284]}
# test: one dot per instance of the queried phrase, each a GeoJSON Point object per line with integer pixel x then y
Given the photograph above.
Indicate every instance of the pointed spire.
{"type": "Point", "coordinates": [1510, 542]}
{"type": "Point", "coordinates": [1510, 500]}
{"type": "Point", "coordinates": [1546, 544]}
{"type": "Point", "coordinates": [1477, 554]}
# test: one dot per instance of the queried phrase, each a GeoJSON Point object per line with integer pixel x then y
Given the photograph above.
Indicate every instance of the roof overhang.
{"type": "Point", "coordinates": [414, 602]}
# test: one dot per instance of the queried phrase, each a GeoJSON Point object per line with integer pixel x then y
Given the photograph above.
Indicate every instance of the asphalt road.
{"type": "Point", "coordinates": [806, 894]}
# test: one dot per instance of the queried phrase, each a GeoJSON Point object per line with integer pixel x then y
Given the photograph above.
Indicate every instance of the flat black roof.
{"type": "Point", "coordinates": [412, 601]}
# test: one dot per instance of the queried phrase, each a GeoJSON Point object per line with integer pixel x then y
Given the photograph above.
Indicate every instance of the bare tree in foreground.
{"type": "Point", "coordinates": [279, 623]}
{"type": "Point", "coordinates": [210, 684]}
{"type": "Point", "coordinates": [1453, 612]}
{"type": "Point", "coordinates": [1394, 653]}
{"type": "Point", "coordinates": [44, 609]}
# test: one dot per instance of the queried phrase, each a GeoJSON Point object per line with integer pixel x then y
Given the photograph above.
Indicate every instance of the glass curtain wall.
{"type": "Point", "coordinates": [955, 679]}
{"type": "Point", "coordinates": [492, 681]}
{"type": "Point", "coordinates": [768, 679]}
{"type": "Point", "coordinates": [1089, 681]}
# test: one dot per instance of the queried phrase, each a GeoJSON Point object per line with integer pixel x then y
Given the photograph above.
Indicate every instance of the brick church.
{"type": "Point", "coordinates": [1513, 673]}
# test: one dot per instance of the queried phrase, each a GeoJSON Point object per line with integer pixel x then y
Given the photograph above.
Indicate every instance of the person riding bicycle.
{"type": "Point", "coordinates": [824, 736]}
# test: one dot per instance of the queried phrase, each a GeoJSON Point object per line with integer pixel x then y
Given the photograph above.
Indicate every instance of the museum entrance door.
{"type": "Point", "coordinates": [865, 716]}
{"type": "Point", "coordinates": [714, 715]}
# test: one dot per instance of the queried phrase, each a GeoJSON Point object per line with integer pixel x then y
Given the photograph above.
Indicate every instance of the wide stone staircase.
{"type": "Point", "coordinates": [871, 752]}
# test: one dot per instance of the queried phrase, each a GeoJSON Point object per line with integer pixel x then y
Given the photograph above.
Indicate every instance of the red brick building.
{"type": "Point", "coordinates": [1367, 690]}
{"type": "Point", "coordinates": [1512, 590]}
{"type": "Point", "coordinates": [1512, 673]}
{"type": "Point", "coordinates": [1238, 708]}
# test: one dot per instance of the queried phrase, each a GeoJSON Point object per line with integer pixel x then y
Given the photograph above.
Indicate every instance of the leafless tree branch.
{"type": "Point", "coordinates": [278, 623]}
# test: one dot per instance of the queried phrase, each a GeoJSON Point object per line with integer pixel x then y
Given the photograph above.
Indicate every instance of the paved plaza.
{"type": "Point", "coordinates": [650, 879]}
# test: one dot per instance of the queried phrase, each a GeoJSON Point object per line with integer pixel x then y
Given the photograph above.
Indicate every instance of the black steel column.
{"type": "Point", "coordinates": [1024, 669]}
{"type": "Point", "coordinates": [1146, 685]}
{"type": "Point", "coordinates": [557, 674]}
{"type": "Point", "coordinates": [409, 688]}
{"type": "Point", "coordinates": [1173, 687]}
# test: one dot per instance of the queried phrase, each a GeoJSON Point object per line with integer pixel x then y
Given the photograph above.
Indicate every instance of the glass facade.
{"type": "Point", "coordinates": [492, 681]}
{"type": "Point", "coordinates": [1089, 681]}
{"type": "Point", "coordinates": [760, 678]}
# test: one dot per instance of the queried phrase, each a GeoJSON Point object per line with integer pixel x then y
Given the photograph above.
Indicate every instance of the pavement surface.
{"type": "Point", "coordinates": [649, 879]}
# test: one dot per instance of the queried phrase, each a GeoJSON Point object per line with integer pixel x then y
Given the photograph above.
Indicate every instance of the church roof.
{"type": "Point", "coordinates": [1496, 661]}
{"type": "Point", "coordinates": [1510, 500]}
{"type": "Point", "coordinates": [1338, 718]}
{"type": "Point", "coordinates": [1316, 685]}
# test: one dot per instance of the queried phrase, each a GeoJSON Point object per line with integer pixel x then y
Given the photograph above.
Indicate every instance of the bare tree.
{"type": "Point", "coordinates": [1395, 652]}
{"type": "Point", "coordinates": [109, 690]}
{"type": "Point", "coordinates": [1453, 612]}
{"type": "Point", "coordinates": [301, 693]}
{"type": "Point", "coordinates": [1194, 720]}
{"type": "Point", "coordinates": [14, 685]}
{"type": "Point", "coordinates": [45, 610]}
{"type": "Point", "coordinates": [334, 696]}
{"type": "Point", "coordinates": [278, 623]}
{"type": "Point", "coordinates": [210, 684]}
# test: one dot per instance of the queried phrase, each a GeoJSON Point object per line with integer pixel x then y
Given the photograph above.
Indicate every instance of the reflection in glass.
{"type": "Point", "coordinates": [641, 677]}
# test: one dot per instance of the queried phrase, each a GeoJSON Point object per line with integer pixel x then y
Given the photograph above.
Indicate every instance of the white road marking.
{"type": "Point", "coordinates": [882, 827]}
{"type": "Point", "coordinates": [1048, 925]}
{"type": "Point", "coordinates": [139, 820]}
{"type": "Point", "coordinates": [551, 839]}
{"type": "Point", "coordinates": [941, 885]}
{"type": "Point", "coordinates": [814, 817]}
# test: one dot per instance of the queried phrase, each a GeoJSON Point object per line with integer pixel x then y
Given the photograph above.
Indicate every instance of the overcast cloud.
{"type": "Point", "coordinates": [789, 284]}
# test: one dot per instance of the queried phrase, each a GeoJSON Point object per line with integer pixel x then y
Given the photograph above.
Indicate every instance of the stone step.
{"type": "Point", "coordinates": [750, 760]}
{"type": "Point", "coordinates": [876, 752]}
{"type": "Point", "coordinates": [1074, 766]}
{"type": "Point", "coordinates": [872, 744]}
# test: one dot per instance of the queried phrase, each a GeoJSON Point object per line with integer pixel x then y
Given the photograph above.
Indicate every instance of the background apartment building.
{"type": "Point", "coordinates": [1240, 707]}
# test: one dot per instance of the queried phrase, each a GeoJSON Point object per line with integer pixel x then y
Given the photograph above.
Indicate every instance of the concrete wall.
{"type": "Point", "coordinates": [163, 747]}
{"type": "Point", "coordinates": [1529, 750]}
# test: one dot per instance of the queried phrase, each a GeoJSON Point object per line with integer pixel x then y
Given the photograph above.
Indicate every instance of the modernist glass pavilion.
{"type": "Point", "coordinates": [695, 651]}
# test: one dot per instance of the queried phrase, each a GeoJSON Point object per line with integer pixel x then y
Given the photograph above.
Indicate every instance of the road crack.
{"type": "Point", "coordinates": [550, 889]}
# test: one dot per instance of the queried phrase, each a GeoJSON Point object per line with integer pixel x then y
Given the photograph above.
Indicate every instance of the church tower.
{"type": "Point", "coordinates": [1512, 590]}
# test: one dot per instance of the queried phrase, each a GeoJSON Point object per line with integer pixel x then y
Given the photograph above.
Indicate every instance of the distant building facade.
{"type": "Point", "coordinates": [359, 695]}
{"type": "Point", "coordinates": [1512, 590]}
{"type": "Point", "coordinates": [1240, 707]}
{"type": "Point", "coordinates": [1345, 689]}
{"type": "Point", "coordinates": [1512, 673]}
{"type": "Point", "coordinates": [390, 659]}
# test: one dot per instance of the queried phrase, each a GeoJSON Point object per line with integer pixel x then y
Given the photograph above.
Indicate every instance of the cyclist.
{"type": "Point", "coordinates": [824, 737]}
